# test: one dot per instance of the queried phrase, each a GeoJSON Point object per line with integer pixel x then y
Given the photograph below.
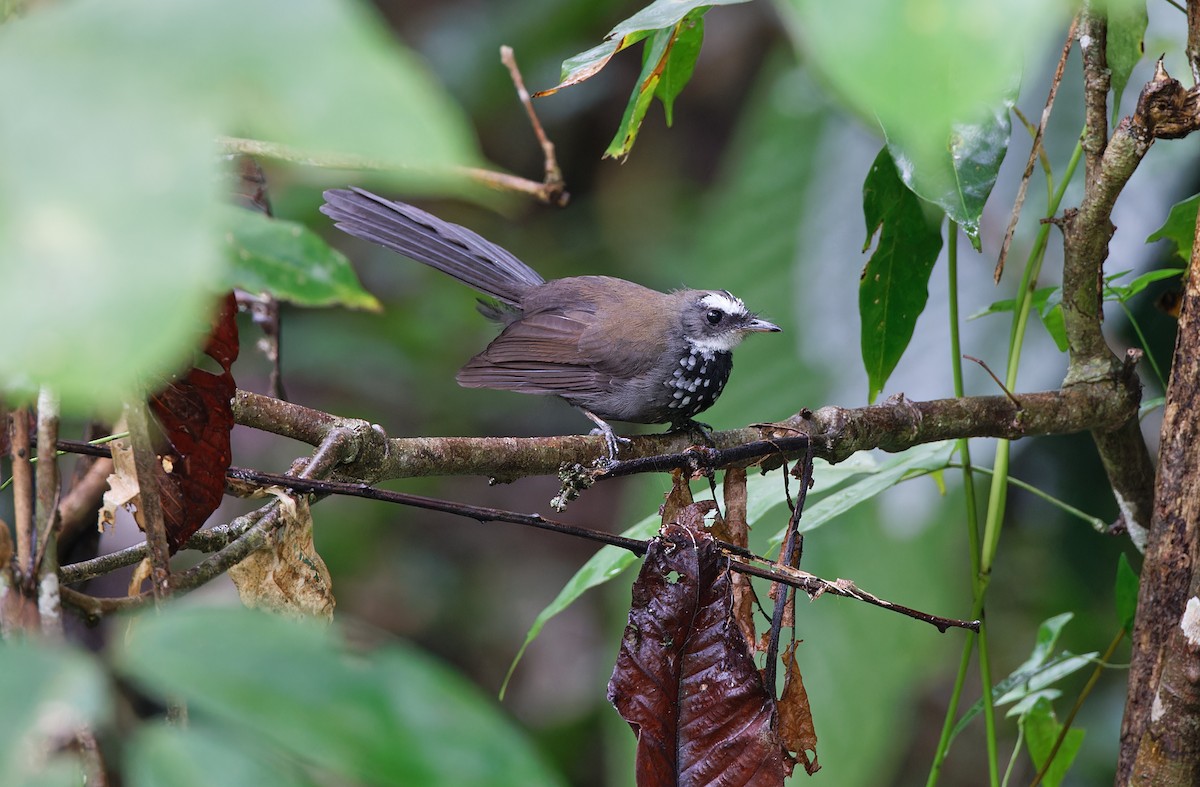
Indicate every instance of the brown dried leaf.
{"type": "Point", "coordinates": [287, 576]}
{"type": "Point", "coordinates": [196, 416]}
{"type": "Point", "coordinates": [685, 679]}
{"type": "Point", "coordinates": [795, 716]}
{"type": "Point", "coordinates": [122, 484]}
{"type": "Point", "coordinates": [679, 498]}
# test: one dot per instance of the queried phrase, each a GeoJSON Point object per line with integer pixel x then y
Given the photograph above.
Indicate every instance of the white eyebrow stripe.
{"type": "Point", "coordinates": [723, 301]}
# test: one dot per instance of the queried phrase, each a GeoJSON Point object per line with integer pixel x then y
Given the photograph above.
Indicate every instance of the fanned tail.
{"type": "Point", "coordinates": [453, 250]}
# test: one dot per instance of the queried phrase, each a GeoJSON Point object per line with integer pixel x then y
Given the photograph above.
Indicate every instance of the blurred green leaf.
{"type": "Point", "coordinates": [895, 284]}
{"type": "Point", "coordinates": [936, 75]}
{"type": "Point", "coordinates": [1124, 44]}
{"type": "Point", "coordinates": [162, 755]}
{"type": "Point", "coordinates": [289, 261]}
{"type": "Point", "coordinates": [107, 166]}
{"type": "Point", "coordinates": [681, 61]}
{"type": "Point", "coordinates": [392, 717]}
{"type": "Point", "coordinates": [1126, 593]}
{"type": "Point", "coordinates": [1041, 731]}
{"type": "Point", "coordinates": [47, 694]}
{"type": "Point", "coordinates": [960, 180]}
{"type": "Point", "coordinates": [1180, 227]}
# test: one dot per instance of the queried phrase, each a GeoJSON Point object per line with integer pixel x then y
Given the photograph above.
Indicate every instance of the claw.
{"type": "Point", "coordinates": [611, 439]}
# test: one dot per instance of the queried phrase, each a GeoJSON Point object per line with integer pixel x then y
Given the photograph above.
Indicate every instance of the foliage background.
{"type": "Point", "coordinates": [757, 189]}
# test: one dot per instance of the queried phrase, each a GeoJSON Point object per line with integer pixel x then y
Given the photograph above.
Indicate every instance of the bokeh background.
{"type": "Point", "coordinates": [756, 189]}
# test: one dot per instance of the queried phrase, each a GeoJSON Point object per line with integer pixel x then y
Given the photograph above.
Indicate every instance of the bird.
{"type": "Point", "coordinates": [611, 348]}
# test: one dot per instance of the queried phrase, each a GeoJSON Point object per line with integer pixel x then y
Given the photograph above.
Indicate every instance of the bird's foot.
{"type": "Point", "coordinates": [694, 427]}
{"type": "Point", "coordinates": [611, 439]}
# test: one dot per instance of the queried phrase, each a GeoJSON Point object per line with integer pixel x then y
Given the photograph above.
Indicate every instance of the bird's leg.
{"type": "Point", "coordinates": [695, 427]}
{"type": "Point", "coordinates": [610, 437]}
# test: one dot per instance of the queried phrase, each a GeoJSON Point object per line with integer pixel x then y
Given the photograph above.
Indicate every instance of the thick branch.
{"type": "Point", "coordinates": [836, 432]}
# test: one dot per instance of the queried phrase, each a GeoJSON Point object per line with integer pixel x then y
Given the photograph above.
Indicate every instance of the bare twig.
{"type": "Point", "coordinates": [281, 152]}
{"type": "Point", "coordinates": [554, 187]}
{"type": "Point", "coordinates": [998, 381]}
{"type": "Point", "coordinates": [815, 586]}
{"type": "Point", "coordinates": [46, 558]}
{"type": "Point", "coordinates": [1034, 150]}
{"type": "Point", "coordinates": [22, 482]}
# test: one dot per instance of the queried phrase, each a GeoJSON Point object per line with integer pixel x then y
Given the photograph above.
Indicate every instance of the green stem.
{"type": "Point", "coordinates": [972, 517]}
{"type": "Point", "coordinates": [999, 487]}
{"type": "Point", "coordinates": [1096, 522]}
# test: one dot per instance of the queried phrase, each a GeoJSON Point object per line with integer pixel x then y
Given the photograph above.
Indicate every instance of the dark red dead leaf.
{"type": "Point", "coordinates": [795, 716]}
{"type": "Point", "coordinates": [685, 679]}
{"type": "Point", "coordinates": [196, 417]}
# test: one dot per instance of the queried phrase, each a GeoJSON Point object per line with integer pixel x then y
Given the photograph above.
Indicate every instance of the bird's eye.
{"type": "Point", "coordinates": [714, 316]}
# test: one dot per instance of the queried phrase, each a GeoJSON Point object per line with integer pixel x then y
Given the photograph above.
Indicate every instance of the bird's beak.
{"type": "Point", "coordinates": [758, 325]}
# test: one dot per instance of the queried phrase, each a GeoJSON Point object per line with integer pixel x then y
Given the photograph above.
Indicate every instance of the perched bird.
{"type": "Point", "coordinates": [612, 348]}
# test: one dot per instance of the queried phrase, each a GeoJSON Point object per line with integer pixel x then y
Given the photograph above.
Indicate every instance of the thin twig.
{"type": "Point", "coordinates": [294, 155]}
{"type": "Point", "coordinates": [815, 586]}
{"type": "Point", "coordinates": [478, 513]}
{"type": "Point", "coordinates": [22, 482]}
{"type": "Point", "coordinates": [45, 560]}
{"type": "Point", "coordinates": [1035, 149]}
{"type": "Point", "coordinates": [555, 193]}
{"type": "Point", "coordinates": [999, 382]}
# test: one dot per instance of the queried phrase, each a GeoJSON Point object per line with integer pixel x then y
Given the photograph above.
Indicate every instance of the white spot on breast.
{"type": "Point", "coordinates": [686, 401]}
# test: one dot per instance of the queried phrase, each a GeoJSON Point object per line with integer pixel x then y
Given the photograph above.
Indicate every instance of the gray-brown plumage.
{"type": "Point", "coordinates": [612, 348]}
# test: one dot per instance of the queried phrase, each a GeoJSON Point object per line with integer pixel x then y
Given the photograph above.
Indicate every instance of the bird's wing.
{"type": "Point", "coordinates": [539, 354]}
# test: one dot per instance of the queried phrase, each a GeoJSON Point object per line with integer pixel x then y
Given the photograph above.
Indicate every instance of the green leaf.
{"type": "Point", "coordinates": [46, 694]}
{"type": "Point", "coordinates": [681, 61]}
{"type": "Point", "coordinates": [960, 179]}
{"type": "Point", "coordinates": [1009, 305]}
{"type": "Point", "coordinates": [894, 286]}
{"type": "Point", "coordinates": [1024, 680]}
{"type": "Point", "coordinates": [289, 261]}
{"type": "Point", "coordinates": [1052, 318]}
{"type": "Point", "coordinates": [115, 107]}
{"type": "Point", "coordinates": [643, 93]}
{"type": "Point", "coordinates": [393, 717]}
{"type": "Point", "coordinates": [659, 15]}
{"type": "Point", "coordinates": [1126, 593]}
{"type": "Point", "coordinates": [608, 563]}
{"type": "Point", "coordinates": [1124, 44]}
{"type": "Point", "coordinates": [936, 75]}
{"type": "Point", "coordinates": [162, 755]}
{"type": "Point", "coordinates": [1122, 293]}
{"type": "Point", "coordinates": [1180, 227]}
{"type": "Point", "coordinates": [1041, 731]}
{"type": "Point", "coordinates": [916, 461]}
